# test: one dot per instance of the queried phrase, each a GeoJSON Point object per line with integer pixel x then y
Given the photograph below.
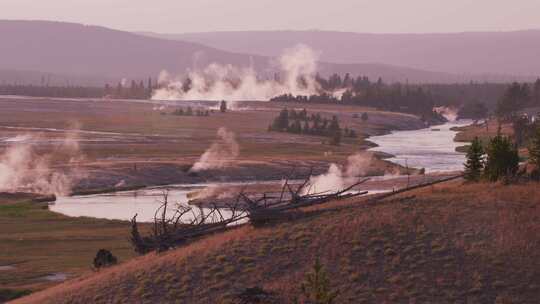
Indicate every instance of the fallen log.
{"type": "Point", "coordinates": [411, 188]}
{"type": "Point", "coordinates": [177, 230]}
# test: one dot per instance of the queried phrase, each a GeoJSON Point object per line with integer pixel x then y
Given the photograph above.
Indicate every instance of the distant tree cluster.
{"type": "Point", "coordinates": [362, 92]}
{"type": "Point", "coordinates": [190, 112]}
{"type": "Point", "coordinates": [67, 91]}
{"type": "Point", "coordinates": [321, 98]}
{"type": "Point", "coordinates": [474, 110]}
{"type": "Point", "coordinates": [517, 106]}
{"type": "Point", "coordinates": [499, 160]}
{"type": "Point", "coordinates": [300, 122]}
{"type": "Point", "coordinates": [136, 90]}
{"type": "Point", "coordinates": [518, 97]}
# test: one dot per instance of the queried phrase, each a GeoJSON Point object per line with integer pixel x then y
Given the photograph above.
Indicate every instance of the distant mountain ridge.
{"type": "Point", "coordinates": [471, 53]}
{"type": "Point", "coordinates": [93, 54]}
{"type": "Point", "coordinates": [75, 49]}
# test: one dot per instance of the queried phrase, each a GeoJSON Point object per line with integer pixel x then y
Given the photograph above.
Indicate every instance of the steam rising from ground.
{"type": "Point", "coordinates": [297, 66]}
{"type": "Point", "coordinates": [450, 114]}
{"type": "Point", "coordinates": [340, 177]}
{"type": "Point", "coordinates": [220, 154]}
{"type": "Point", "coordinates": [22, 168]}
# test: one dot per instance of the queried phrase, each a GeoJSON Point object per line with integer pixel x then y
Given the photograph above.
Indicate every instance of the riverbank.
{"type": "Point", "coordinates": [40, 248]}
{"type": "Point", "coordinates": [483, 131]}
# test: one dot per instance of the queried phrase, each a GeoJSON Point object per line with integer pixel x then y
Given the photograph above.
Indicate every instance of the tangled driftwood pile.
{"type": "Point", "coordinates": [188, 223]}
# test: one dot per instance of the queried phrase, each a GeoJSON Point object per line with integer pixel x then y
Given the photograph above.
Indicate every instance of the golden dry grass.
{"type": "Point", "coordinates": [38, 243]}
{"type": "Point", "coordinates": [483, 132]}
{"type": "Point", "coordinates": [146, 135]}
{"type": "Point", "coordinates": [452, 243]}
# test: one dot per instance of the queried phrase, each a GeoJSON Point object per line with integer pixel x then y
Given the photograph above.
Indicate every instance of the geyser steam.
{"type": "Point", "coordinates": [449, 113]}
{"type": "Point", "coordinates": [297, 67]}
{"type": "Point", "coordinates": [338, 177]}
{"type": "Point", "coordinates": [224, 150]}
{"type": "Point", "coordinates": [22, 169]}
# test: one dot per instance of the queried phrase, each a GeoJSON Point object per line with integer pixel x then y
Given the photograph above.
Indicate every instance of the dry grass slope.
{"type": "Point", "coordinates": [452, 243]}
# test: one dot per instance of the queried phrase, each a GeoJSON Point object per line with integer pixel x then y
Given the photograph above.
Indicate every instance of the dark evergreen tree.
{"type": "Point", "coordinates": [475, 161]}
{"type": "Point", "coordinates": [365, 116]}
{"type": "Point", "coordinates": [536, 93]}
{"type": "Point", "coordinates": [502, 158]}
{"type": "Point", "coordinates": [296, 127]}
{"type": "Point", "coordinates": [534, 151]}
{"type": "Point", "coordinates": [281, 122]}
{"type": "Point", "coordinates": [515, 98]}
{"type": "Point", "coordinates": [223, 106]}
{"type": "Point", "coordinates": [521, 129]}
{"type": "Point", "coordinates": [306, 129]}
{"type": "Point", "coordinates": [149, 89]}
{"type": "Point", "coordinates": [334, 131]}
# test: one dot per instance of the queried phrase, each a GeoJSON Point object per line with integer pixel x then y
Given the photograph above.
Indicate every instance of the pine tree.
{"type": "Point", "coordinates": [281, 123]}
{"type": "Point", "coordinates": [223, 106]}
{"type": "Point", "coordinates": [335, 131]}
{"type": "Point", "coordinates": [475, 161]}
{"type": "Point", "coordinates": [316, 287]}
{"type": "Point", "coordinates": [149, 89]}
{"type": "Point", "coordinates": [306, 129]}
{"type": "Point", "coordinates": [534, 150]}
{"type": "Point", "coordinates": [502, 158]}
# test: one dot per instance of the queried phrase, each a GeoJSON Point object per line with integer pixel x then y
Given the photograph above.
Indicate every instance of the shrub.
{"type": "Point", "coordinates": [365, 116]}
{"type": "Point", "coordinates": [104, 258]}
{"type": "Point", "coordinates": [12, 294]}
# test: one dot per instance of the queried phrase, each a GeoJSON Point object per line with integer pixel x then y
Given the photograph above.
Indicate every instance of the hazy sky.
{"type": "Point", "coordinates": [177, 16]}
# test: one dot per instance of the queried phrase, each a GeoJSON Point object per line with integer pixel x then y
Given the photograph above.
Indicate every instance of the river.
{"type": "Point", "coordinates": [431, 148]}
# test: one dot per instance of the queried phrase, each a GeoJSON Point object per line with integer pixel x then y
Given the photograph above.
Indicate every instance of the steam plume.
{"type": "Point", "coordinates": [338, 177]}
{"type": "Point", "coordinates": [23, 169]}
{"type": "Point", "coordinates": [297, 66]}
{"type": "Point", "coordinates": [220, 154]}
{"type": "Point", "coordinates": [450, 114]}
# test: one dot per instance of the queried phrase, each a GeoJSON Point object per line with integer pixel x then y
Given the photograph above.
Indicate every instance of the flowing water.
{"type": "Point", "coordinates": [432, 148]}
{"type": "Point", "coordinates": [125, 204]}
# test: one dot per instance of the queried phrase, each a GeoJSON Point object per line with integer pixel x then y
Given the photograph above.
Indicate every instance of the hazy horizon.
{"type": "Point", "coordinates": [169, 16]}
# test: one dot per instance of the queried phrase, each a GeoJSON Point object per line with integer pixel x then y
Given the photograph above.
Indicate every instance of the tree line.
{"type": "Point", "coordinates": [362, 92]}
{"type": "Point", "coordinates": [134, 90]}
{"type": "Point", "coordinates": [51, 91]}
{"type": "Point", "coordinates": [300, 122]}
{"type": "Point", "coordinates": [499, 158]}
{"type": "Point", "coordinates": [473, 100]}
{"type": "Point", "coordinates": [517, 97]}
{"type": "Point", "coordinates": [190, 112]}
